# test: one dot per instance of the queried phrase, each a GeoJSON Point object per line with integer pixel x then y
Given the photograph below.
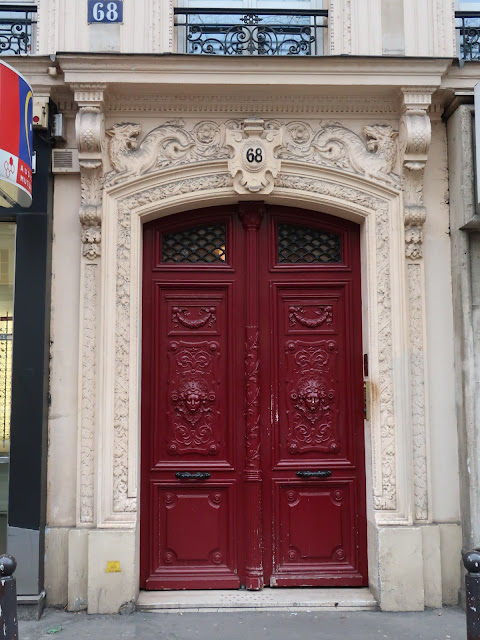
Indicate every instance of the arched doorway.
{"type": "Point", "coordinates": [252, 404]}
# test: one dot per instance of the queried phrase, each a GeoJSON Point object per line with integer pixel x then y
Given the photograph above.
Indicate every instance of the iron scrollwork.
{"type": "Point", "coordinates": [17, 29]}
{"type": "Point", "coordinates": [236, 32]}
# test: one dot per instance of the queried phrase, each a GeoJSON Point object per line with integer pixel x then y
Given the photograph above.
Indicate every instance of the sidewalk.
{"type": "Point", "coordinates": [444, 624]}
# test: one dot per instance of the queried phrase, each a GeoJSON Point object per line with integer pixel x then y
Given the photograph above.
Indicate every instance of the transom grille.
{"type": "Point", "coordinates": [195, 245]}
{"type": "Point", "coordinates": [299, 245]}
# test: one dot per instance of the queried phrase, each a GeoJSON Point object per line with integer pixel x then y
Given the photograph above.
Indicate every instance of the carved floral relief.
{"type": "Point", "coordinates": [254, 149]}
{"type": "Point", "coordinates": [193, 408]}
{"type": "Point", "coordinates": [311, 397]}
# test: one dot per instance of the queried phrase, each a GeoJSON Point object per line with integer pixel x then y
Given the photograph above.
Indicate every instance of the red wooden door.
{"type": "Point", "coordinates": [252, 414]}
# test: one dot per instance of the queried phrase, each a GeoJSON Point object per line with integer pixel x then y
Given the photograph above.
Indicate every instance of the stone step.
{"type": "Point", "coordinates": [301, 599]}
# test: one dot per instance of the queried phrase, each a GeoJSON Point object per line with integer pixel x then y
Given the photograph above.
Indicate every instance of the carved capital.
{"type": "Point", "coordinates": [253, 165]}
{"type": "Point", "coordinates": [251, 215]}
{"type": "Point", "coordinates": [89, 94]}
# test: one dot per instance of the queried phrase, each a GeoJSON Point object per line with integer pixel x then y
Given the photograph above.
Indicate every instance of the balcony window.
{"type": "Point", "coordinates": [17, 28]}
{"type": "Point", "coordinates": [251, 28]}
{"type": "Point", "coordinates": [467, 27]}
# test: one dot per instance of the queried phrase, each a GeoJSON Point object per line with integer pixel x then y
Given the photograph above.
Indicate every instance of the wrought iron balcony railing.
{"type": "Point", "coordinates": [239, 32]}
{"type": "Point", "coordinates": [467, 26]}
{"type": "Point", "coordinates": [17, 29]}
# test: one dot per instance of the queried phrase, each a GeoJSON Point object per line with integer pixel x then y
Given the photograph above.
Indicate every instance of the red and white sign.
{"type": "Point", "coordinates": [16, 138]}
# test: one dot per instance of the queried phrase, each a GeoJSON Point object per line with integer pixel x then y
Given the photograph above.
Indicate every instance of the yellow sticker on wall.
{"type": "Point", "coordinates": [113, 566]}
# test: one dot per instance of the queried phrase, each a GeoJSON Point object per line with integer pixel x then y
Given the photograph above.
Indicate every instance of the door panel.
{"type": "Point", "coordinates": [196, 534]}
{"type": "Point", "coordinates": [204, 374]}
{"type": "Point", "coordinates": [313, 534]}
{"type": "Point", "coordinates": [197, 389]}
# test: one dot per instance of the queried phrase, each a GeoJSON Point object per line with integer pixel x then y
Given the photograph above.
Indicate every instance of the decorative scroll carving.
{"type": "Point", "coordinates": [253, 164]}
{"type": "Point", "coordinates": [297, 314]}
{"type": "Point", "coordinates": [88, 400]}
{"type": "Point", "coordinates": [415, 136]}
{"type": "Point", "coordinates": [385, 495]}
{"type": "Point", "coordinates": [169, 144]}
{"type": "Point", "coordinates": [90, 130]}
{"type": "Point", "coordinates": [181, 315]}
{"type": "Point", "coordinates": [254, 149]}
{"type": "Point", "coordinates": [252, 394]}
{"type": "Point", "coordinates": [193, 378]}
{"type": "Point", "coordinates": [335, 146]}
{"type": "Point", "coordinates": [312, 411]}
{"type": "Point", "coordinates": [418, 392]}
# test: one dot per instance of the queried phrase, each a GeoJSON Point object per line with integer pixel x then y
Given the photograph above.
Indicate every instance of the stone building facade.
{"type": "Point", "coordinates": [358, 134]}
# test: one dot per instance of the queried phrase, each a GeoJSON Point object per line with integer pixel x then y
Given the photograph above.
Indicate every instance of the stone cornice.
{"type": "Point", "coordinates": [40, 72]}
{"type": "Point", "coordinates": [196, 71]}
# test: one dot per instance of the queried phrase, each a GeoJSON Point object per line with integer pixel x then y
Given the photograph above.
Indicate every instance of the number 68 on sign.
{"type": "Point", "coordinates": [108, 11]}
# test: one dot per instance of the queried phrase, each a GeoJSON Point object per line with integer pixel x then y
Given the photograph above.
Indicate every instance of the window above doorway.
{"type": "Point", "coordinates": [251, 27]}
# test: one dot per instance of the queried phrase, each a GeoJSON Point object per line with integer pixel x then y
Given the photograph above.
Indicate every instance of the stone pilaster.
{"type": "Point", "coordinates": [415, 136]}
{"type": "Point", "coordinates": [90, 133]}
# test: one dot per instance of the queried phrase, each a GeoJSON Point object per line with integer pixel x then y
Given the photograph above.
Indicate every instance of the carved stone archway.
{"type": "Point", "coordinates": [330, 170]}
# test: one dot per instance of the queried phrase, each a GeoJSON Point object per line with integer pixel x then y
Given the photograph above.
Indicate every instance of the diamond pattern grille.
{"type": "Point", "coordinates": [299, 245]}
{"type": "Point", "coordinates": [197, 245]}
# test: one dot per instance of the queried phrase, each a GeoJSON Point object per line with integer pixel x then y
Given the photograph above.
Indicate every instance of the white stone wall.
{"type": "Point", "coordinates": [356, 27]}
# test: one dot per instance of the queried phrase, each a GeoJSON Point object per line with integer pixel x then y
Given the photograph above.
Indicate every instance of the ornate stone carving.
{"type": "Point", "coordinates": [169, 144]}
{"type": "Point", "coordinates": [417, 372]}
{"type": "Point", "coordinates": [88, 399]}
{"type": "Point", "coordinates": [331, 106]}
{"type": "Point", "coordinates": [254, 149]}
{"type": "Point", "coordinates": [335, 146]}
{"type": "Point", "coordinates": [384, 435]}
{"type": "Point", "coordinates": [90, 130]}
{"type": "Point", "coordinates": [415, 136]}
{"type": "Point", "coordinates": [253, 164]}
{"type": "Point", "coordinates": [312, 408]}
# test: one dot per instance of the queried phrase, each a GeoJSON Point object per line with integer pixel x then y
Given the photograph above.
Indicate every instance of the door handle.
{"type": "Point", "coordinates": [198, 475]}
{"type": "Point", "coordinates": [314, 474]}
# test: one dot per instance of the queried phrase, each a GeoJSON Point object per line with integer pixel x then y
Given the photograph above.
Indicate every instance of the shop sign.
{"type": "Point", "coordinates": [16, 138]}
{"type": "Point", "coordinates": [109, 12]}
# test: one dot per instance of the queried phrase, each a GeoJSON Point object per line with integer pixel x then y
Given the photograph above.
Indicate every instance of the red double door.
{"type": "Point", "coordinates": [252, 402]}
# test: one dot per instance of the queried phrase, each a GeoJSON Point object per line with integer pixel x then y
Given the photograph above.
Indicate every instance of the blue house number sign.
{"type": "Point", "coordinates": [108, 11]}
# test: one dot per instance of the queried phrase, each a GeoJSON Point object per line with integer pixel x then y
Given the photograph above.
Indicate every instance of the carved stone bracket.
{"type": "Point", "coordinates": [415, 136]}
{"type": "Point", "coordinates": [90, 131]}
{"type": "Point", "coordinates": [253, 165]}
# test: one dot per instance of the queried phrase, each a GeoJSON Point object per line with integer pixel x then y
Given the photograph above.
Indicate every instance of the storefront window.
{"type": "Point", "coordinates": [7, 277]}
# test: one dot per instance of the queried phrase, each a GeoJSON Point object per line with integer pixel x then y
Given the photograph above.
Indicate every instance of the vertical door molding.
{"type": "Point", "coordinates": [251, 216]}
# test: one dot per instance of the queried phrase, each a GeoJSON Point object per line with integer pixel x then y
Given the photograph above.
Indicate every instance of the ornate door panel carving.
{"type": "Point", "coordinates": [252, 439]}
{"type": "Point", "coordinates": [192, 405]}
{"type": "Point", "coordinates": [313, 462]}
